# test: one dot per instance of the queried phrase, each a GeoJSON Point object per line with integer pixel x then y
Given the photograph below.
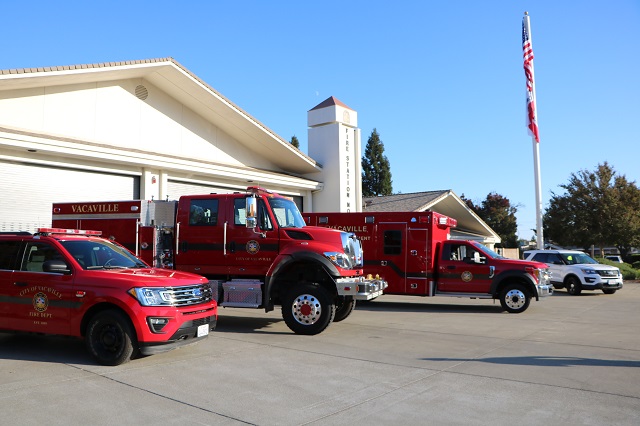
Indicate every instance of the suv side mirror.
{"type": "Point", "coordinates": [56, 267]}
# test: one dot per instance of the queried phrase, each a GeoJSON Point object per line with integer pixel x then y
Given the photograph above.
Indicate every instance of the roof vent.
{"type": "Point", "coordinates": [141, 92]}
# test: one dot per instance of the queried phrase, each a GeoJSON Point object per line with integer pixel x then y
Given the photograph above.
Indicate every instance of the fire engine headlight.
{"type": "Point", "coordinates": [339, 259]}
{"type": "Point", "coordinates": [152, 296]}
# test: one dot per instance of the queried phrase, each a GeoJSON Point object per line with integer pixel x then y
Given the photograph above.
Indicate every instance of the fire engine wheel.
{"type": "Point", "coordinates": [110, 338]}
{"type": "Point", "coordinates": [344, 307]}
{"type": "Point", "coordinates": [515, 298]}
{"type": "Point", "coordinates": [308, 309]}
{"type": "Point", "coordinates": [574, 287]}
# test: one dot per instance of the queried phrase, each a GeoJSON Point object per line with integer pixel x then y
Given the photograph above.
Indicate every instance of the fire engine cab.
{"type": "Point", "coordinates": [254, 247]}
{"type": "Point", "coordinates": [72, 282]}
{"type": "Point", "coordinates": [414, 253]}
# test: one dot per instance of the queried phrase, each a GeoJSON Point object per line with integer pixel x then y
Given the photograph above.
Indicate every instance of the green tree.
{"type": "Point", "coordinates": [497, 212]}
{"type": "Point", "coordinates": [294, 141]}
{"type": "Point", "coordinates": [376, 171]}
{"type": "Point", "coordinates": [598, 208]}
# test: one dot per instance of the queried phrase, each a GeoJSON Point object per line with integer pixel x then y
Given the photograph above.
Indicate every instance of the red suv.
{"type": "Point", "coordinates": [74, 283]}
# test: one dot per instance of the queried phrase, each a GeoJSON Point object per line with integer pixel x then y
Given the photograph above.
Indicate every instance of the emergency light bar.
{"type": "Point", "coordinates": [49, 231]}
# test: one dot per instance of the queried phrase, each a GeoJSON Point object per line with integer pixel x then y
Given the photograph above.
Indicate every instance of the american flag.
{"type": "Point", "coordinates": [527, 49]}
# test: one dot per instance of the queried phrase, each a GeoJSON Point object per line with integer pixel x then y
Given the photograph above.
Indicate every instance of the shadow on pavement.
{"type": "Point", "coordinates": [545, 361]}
{"type": "Point", "coordinates": [39, 348]}
{"type": "Point", "coordinates": [483, 306]}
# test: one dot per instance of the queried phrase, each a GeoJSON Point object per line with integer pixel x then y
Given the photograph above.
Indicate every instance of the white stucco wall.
{"type": "Point", "coordinates": [110, 113]}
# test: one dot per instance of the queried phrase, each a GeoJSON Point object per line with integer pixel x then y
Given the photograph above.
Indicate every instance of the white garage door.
{"type": "Point", "coordinates": [28, 192]}
{"type": "Point", "coordinates": [176, 189]}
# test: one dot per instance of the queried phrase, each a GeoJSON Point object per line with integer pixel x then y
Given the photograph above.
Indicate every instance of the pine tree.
{"type": "Point", "coordinates": [294, 141]}
{"type": "Point", "coordinates": [376, 171]}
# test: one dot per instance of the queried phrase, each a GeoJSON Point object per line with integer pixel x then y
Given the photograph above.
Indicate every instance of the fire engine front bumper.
{"type": "Point", "coordinates": [360, 288]}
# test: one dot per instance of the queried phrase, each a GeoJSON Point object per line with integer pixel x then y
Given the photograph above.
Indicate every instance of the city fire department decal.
{"type": "Point", "coordinates": [253, 247]}
{"type": "Point", "coordinates": [40, 302]}
{"type": "Point", "coordinates": [466, 276]}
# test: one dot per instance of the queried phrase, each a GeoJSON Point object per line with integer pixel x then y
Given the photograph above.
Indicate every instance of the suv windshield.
{"type": "Point", "coordinates": [286, 213]}
{"type": "Point", "coordinates": [101, 254]}
{"type": "Point", "coordinates": [577, 258]}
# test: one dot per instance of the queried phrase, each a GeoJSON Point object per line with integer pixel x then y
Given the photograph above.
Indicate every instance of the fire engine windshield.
{"type": "Point", "coordinates": [286, 213]}
{"type": "Point", "coordinates": [102, 254]}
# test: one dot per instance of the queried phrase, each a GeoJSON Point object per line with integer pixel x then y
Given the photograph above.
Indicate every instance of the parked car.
{"type": "Point", "coordinates": [576, 271]}
{"type": "Point", "coordinates": [73, 283]}
{"type": "Point", "coordinates": [616, 259]}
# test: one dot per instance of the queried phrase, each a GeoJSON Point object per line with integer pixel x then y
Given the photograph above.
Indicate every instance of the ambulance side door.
{"type": "Point", "coordinates": [392, 255]}
{"type": "Point", "coordinates": [417, 262]}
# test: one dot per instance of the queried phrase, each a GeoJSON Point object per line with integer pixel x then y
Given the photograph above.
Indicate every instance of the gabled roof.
{"type": "Point", "coordinates": [331, 101]}
{"type": "Point", "coordinates": [444, 201]}
{"type": "Point", "coordinates": [175, 80]}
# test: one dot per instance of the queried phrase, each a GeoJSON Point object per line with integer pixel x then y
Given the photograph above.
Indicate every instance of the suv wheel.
{"type": "Point", "coordinates": [574, 287]}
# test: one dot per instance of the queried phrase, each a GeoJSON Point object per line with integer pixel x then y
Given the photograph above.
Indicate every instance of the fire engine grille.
{"type": "Point", "coordinates": [608, 273]}
{"type": "Point", "coordinates": [190, 295]}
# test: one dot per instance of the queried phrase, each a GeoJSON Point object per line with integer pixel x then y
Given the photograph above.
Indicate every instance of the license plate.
{"type": "Point", "coordinates": [203, 330]}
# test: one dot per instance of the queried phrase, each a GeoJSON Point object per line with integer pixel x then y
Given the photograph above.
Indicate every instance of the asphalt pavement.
{"type": "Point", "coordinates": [567, 360]}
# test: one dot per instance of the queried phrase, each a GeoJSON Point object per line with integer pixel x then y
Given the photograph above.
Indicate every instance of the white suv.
{"type": "Point", "coordinates": [576, 271]}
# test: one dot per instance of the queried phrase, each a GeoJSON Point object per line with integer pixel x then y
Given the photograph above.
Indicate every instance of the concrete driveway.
{"type": "Point", "coordinates": [397, 360]}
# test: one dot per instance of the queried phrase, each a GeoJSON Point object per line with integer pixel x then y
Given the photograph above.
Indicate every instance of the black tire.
{"type": "Point", "coordinates": [609, 291]}
{"type": "Point", "coordinates": [515, 298]}
{"type": "Point", "coordinates": [344, 308]}
{"type": "Point", "coordinates": [308, 309]}
{"type": "Point", "coordinates": [110, 338]}
{"type": "Point", "coordinates": [573, 285]}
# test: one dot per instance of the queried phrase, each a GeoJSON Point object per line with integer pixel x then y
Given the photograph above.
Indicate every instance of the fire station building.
{"type": "Point", "coordinates": [151, 129]}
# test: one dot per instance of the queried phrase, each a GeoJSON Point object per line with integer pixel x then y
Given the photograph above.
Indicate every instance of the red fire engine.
{"type": "Point", "coordinates": [414, 253]}
{"type": "Point", "coordinates": [254, 247]}
{"type": "Point", "coordinates": [74, 283]}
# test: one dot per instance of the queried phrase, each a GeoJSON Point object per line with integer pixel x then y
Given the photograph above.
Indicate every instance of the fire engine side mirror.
{"type": "Point", "coordinates": [251, 222]}
{"type": "Point", "coordinates": [251, 209]}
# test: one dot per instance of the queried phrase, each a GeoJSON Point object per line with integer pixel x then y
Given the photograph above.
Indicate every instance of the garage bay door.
{"type": "Point", "coordinates": [28, 192]}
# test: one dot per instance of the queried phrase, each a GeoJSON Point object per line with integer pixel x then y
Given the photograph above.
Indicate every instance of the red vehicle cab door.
{"type": "Point", "coordinates": [200, 234]}
{"type": "Point", "coordinates": [250, 252]}
{"type": "Point", "coordinates": [463, 269]}
{"type": "Point", "coordinates": [9, 250]}
{"type": "Point", "coordinates": [40, 301]}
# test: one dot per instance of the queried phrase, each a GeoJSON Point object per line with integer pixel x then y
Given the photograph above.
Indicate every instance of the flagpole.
{"type": "Point", "coordinates": [533, 126]}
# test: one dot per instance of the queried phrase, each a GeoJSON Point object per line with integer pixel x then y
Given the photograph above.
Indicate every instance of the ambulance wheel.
{"type": "Point", "coordinates": [344, 307]}
{"type": "Point", "coordinates": [110, 338]}
{"type": "Point", "coordinates": [308, 309]}
{"type": "Point", "coordinates": [514, 298]}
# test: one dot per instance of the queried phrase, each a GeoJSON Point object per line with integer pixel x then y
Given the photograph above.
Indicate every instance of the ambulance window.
{"type": "Point", "coordinates": [203, 213]}
{"type": "Point", "coordinates": [392, 242]}
{"type": "Point", "coordinates": [8, 254]}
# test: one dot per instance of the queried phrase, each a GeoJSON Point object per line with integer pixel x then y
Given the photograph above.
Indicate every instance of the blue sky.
{"type": "Point", "coordinates": [442, 82]}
